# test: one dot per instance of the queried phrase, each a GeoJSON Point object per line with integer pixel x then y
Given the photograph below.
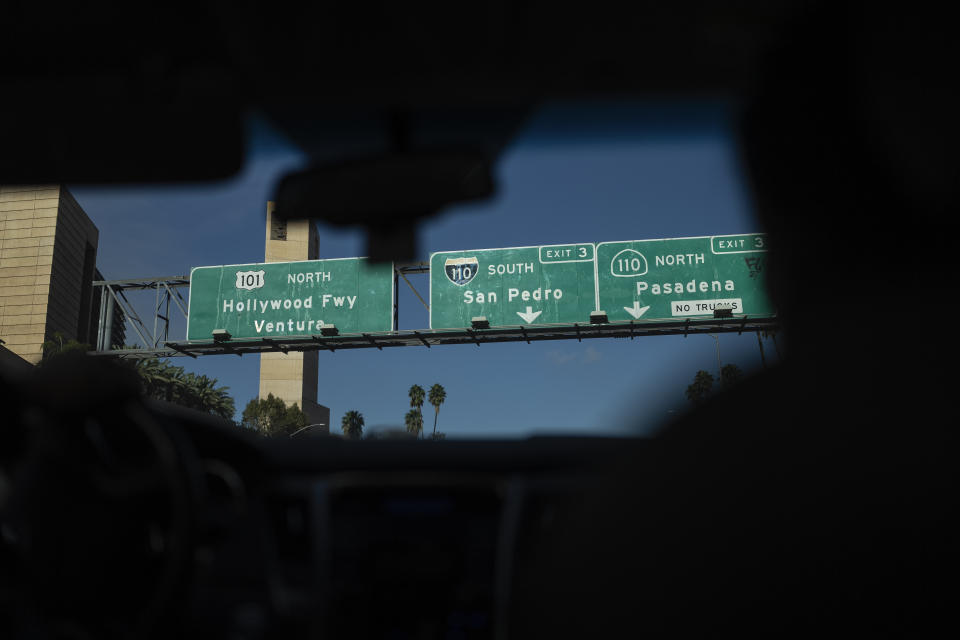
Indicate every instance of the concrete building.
{"type": "Point", "coordinates": [292, 377]}
{"type": "Point", "coordinates": [48, 253]}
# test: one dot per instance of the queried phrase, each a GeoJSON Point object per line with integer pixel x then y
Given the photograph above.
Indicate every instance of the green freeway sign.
{"type": "Point", "coordinates": [290, 298]}
{"type": "Point", "coordinates": [683, 277]}
{"type": "Point", "coordinates": [519, 286]}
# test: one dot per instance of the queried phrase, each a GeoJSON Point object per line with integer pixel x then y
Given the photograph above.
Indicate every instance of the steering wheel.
{"type": "Point", "coordinates": [98, 522]}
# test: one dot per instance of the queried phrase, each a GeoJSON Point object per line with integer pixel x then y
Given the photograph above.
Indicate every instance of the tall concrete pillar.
{"type": "Point", "coordinates": [292, 377]}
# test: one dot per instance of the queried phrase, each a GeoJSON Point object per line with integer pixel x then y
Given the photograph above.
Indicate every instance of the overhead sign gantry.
{"type": "Point", "coordinates": [546, 292]}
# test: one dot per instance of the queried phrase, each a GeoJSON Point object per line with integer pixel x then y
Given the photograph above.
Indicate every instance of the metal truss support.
{"type": "Point", "coordinates": [415, 292]}
{"type": "Point", "coordinates": [114, 293]}
{"type": "Point", "coordinates": [401, 270]}
{"type": "Point", "coordinates": [431, 338]}
{"type": "Point", "coordinates": [157, 344]}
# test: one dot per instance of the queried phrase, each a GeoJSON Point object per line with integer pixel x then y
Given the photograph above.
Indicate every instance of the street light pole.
{"type": "Point", "coordinates": [719, 366]}
{"type": "Point", "coordinates": [316, 424]}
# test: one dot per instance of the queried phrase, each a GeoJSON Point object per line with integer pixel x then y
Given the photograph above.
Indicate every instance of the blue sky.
{"type": "Point", "coordinates": [575, 173]}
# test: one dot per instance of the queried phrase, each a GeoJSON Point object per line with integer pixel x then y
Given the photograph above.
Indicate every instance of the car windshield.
{"type": "Point", "coordinates": [575, 173]}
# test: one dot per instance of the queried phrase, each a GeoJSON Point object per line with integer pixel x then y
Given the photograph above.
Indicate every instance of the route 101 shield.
{"type": "Point", "coordinates": [460, 271]}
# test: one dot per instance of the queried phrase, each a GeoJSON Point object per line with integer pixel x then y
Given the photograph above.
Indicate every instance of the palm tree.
{"type": "Point", "coordinates": [222, 404]}
{"type": "Point", "coordinates": [763, 356]}
{"type": "Point", "coordinates": [352, 425]}
{"type": "Point", "coordinates": [153, 375]}
{"type": "Point", "coordinates": [416, 396]}
{"type": "Point", "coordinates": [204, 392]}
{"type": "Point", "coordinates": [174, 388]}
{"type": "Point", "coordinates": [437, 396]}
{"type": "Point", "coordinates": [188, 391]}
{"type": "Point", "coordinates": [58, 345]}
{"type": "Point", "coordinates": [209, 398]}
{"type": "Point", "coordinates": [163, 381]}
{"type": "Point", "coordinates": [771, 333]}
{"type": "Point", "coordinates": [414, 421]}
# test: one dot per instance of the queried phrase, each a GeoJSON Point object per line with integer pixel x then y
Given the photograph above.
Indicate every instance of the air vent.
{"type": "Point", "coordinates": [292, 527]}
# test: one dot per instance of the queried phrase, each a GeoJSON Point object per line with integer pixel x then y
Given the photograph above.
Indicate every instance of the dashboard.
{"type": "Point", "coordinates": [126, 519]}
{"type": "Point", "coordinates": [132, 519]}
{"type": "Point", "coordinates": [395, 539]}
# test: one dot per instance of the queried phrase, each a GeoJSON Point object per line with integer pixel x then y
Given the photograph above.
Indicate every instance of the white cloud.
{"type": "Point", "coordinates": [561, 357]}
{"type": "Point", "coordinates": [586, 356]}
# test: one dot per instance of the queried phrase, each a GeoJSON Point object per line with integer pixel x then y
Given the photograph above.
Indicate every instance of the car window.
{"type": "Point", "coordinates": [575, 173]}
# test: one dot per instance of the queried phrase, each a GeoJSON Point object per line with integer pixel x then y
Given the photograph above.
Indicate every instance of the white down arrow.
{"type": "Point", "coordinates": [636, 310]}
{"type": "Point", "coordinates": [530, 315]}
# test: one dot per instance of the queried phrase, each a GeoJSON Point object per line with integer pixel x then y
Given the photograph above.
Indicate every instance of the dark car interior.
{"type": "Point", "coordinates": [817, 497]}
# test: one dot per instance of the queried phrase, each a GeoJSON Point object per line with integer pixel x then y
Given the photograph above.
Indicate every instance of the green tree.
{"type": "Point", "coordinates": [58, 346]}
{"type": "Point", "coordinates": [730, 375]}
{"type": "Point", "coordinates": [414, 422]}
{"type": "Point", "coordinates": [270, 416]}
{"type": "Point", "coordinates": [161, 380]}
{"type": "Point", "coordinates": [437, 396]}
{"type": "Point", "coordinates": [701, 388]}
{"type": "Point", "coordinates": [352, 425]}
